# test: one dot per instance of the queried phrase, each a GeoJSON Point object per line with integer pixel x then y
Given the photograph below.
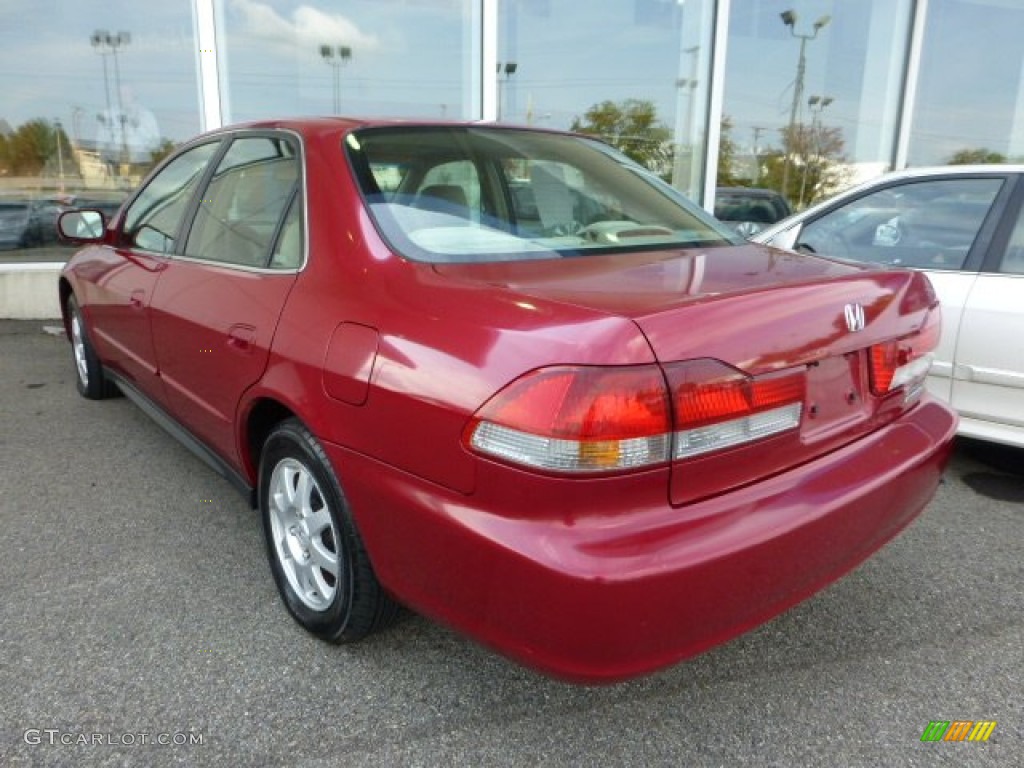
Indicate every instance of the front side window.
{"type": "Point", "coordinates": [153, 219]}
{"type": "Point", "coordinates": [240, 215]}
{"type": "Point", "coordinates": [923, 224]}
{"type": "Point", "coordinates": [477, 194]}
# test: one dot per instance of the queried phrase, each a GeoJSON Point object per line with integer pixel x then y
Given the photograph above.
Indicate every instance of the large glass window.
{"type": "Point", "coordinates": [93, 94]}
{"type": "Point", "coordinates": [970, 98]}
{"type": "Point", "coordinates": [812, 93]}
{"type": "Point", "coordinates": [633, 72]}
{"type": "Point", "coordinates": [404, 58]}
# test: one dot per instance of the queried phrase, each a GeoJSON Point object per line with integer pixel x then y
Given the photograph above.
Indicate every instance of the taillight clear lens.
{"type": "Point", "coordinates": [719, 407]}
{"type": "Point", "coordinates": [578, 419]}
{"type": "Point", "coordinates": [905, 363]}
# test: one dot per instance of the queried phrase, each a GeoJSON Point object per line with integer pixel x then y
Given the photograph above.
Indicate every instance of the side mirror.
{"type": "Point", "coordinates": [77, 227]}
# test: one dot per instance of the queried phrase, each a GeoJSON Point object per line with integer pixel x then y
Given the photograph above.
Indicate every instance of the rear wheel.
{"type": "Point", "coordinates": [90, 378]}
{"type": "Point", "coordinates": [316, 555]}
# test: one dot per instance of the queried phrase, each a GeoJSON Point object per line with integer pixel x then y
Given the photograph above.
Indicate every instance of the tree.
{"type": "Point", "coordinates": [727, 152]}
{"type": "Point", "coordinates": [26, 150]}
{"type": "Point", "coordinates": [975, 156]}
{"type": "Point", "coordinates": [817, 164]}
{"type": "Point", "coordinates": [631, 126]}
{"type": "Point", "coordinates": [165, 148]}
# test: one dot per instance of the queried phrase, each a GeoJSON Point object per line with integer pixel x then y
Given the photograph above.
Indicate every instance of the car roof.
{"type": "Point", "coordinates": [336, 124]}
{"type": "Point", "coordinates": [946, 170]}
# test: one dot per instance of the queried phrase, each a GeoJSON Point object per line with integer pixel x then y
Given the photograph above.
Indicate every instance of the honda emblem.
{"type": "Point", "coordinates": [854, 317]}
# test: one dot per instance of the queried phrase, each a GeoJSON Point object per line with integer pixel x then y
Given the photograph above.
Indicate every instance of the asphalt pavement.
{"type": "Point", "coordinates": [140, 626]}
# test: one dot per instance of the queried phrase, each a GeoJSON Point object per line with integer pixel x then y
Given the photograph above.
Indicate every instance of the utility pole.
{"type": "Point", "coordinates": [789, 18]}
{"type": "Point", "coordinates": [757, 131]}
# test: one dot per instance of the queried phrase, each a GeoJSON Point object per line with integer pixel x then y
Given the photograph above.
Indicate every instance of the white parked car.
{"type": "Point", "coordinates": [964, 226]}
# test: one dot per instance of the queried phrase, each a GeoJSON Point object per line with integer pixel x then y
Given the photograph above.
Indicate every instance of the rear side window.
{"type": "Point", "coordinates": [1012, 262]}
{"type": "Point", "coordinates": [154, 218]}
{"type": "Point", "coordinates": [468, 194]}
{"type": "Point", "coordinates": [240, 215]}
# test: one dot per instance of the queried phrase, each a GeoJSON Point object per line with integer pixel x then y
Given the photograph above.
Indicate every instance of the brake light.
{"type": "Point", "coordinates": [720, 407]}
{"type": "Point", "coordinates": [589, 419]}
{"type": "Point", "coordinates": [577, 419]}
{"type": "Point", "coordinates": [904, 363]}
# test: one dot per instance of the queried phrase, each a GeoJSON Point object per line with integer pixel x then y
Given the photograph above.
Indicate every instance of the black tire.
{"type": "Point", "coordinates": [318, 560]}
{"type": "Point", "coordinates": [90, 379]}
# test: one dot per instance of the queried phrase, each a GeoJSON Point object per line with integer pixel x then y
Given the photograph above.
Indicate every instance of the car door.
{"type": "Point", "coordinates": [217, 304]}
{"type": "Point", "coordinates": [119, 294]}
{"type": "Point", "coordinates": [942, 225]}
{"type": "Point", "coordinates": [988, 370]}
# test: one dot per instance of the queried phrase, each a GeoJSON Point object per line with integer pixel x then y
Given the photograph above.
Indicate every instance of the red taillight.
{"type": "Point", "coordinates": [904, 362]}
{"type": "Point", "coordinates": [885, 359]}
{"type": "Point", "coordinates": [578, 419]}
{"type": "Point", "coordinates": [707, 391]}
{"type": "Point", "coordinates": [589, 419]}
{"type": "Point", "coordinates": [720, 407]}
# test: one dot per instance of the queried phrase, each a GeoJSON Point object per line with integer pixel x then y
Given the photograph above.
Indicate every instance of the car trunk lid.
{"type": "Point", "coordinates": [763, 314]}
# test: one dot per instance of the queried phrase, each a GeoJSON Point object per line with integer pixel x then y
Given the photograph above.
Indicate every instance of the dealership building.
{"type": "Point", "coordinates": [95, 92]}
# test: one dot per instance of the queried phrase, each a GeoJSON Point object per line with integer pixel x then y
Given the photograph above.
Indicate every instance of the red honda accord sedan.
{"type": "Point", "coordinates": [510, 379]}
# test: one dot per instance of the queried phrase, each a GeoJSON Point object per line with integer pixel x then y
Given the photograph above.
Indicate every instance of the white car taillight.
{"type": "Point", "coordinates": [904, 363]}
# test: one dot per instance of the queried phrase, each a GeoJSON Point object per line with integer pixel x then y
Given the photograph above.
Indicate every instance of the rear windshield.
{"type": "Point", "coordinates": [474, 194]}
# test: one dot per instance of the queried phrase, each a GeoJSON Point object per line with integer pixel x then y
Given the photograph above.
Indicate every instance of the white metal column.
{"type": "Point", "coordinates": [208, 64]}
{"type": "Point", "coordinates": [910, 80]}
{"type": "Point", "coordinates": [716, 97]}
{"type": "Point", "coordinates": [488, 61]}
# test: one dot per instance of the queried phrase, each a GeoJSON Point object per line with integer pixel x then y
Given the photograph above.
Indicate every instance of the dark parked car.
{"type": "Point", "coordinates": [585, 424]}
{"type": "Point", "coordinates": [28, 223]}
{"type": "Point", "coordinates": [749, 210]}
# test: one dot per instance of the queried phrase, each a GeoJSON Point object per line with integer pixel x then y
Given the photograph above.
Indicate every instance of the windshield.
{"type": "Point", "coordinates": [473, 194]}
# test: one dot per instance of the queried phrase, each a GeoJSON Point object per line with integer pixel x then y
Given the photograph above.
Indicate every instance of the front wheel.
{"type": "Point", "coordinates": [316, 555]}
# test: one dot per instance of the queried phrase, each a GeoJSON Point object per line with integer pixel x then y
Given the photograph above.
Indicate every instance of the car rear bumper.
{"type": "Point", "coordinates": [594, 586]}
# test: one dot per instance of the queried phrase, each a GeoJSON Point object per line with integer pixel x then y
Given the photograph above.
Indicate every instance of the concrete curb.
{"type": "Point", "coordinates": [29, 291]}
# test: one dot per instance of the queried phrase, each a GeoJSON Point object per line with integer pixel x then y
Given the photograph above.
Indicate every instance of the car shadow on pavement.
{"type": "Point", "coordinates": [1003, 478]}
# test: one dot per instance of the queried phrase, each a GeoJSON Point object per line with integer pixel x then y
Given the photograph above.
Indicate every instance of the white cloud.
{"type": "Point", "coordinates": [307, 28]}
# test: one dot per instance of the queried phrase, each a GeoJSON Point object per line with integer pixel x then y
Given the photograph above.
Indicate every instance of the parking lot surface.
{"type": "Point", "coordinates": [140, 626]}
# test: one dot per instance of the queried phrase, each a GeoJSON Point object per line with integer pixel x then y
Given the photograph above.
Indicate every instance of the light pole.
{"type": "Point", "coordinates": [789, 18]}
{"type": "Point", "coordinates": [106, 44]}
{"type": "Point", "coordinates": [508, 69]}
{"type": "Point", "coordinates": [336, 57]}
{"type": "Point", "coordinates": [816, 104]}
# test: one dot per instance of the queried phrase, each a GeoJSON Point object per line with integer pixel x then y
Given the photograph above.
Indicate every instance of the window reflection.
{"type": "Point", "coordinates": [93, 94]}
{"type": "Point", "coordinates": [403, 58]}
{"type": "Point", "coordinates": [633, 72]}
{"type": "Point", "coordinates": [970, 105]}
{"type": "Point", "coordinates": [812, 93]}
